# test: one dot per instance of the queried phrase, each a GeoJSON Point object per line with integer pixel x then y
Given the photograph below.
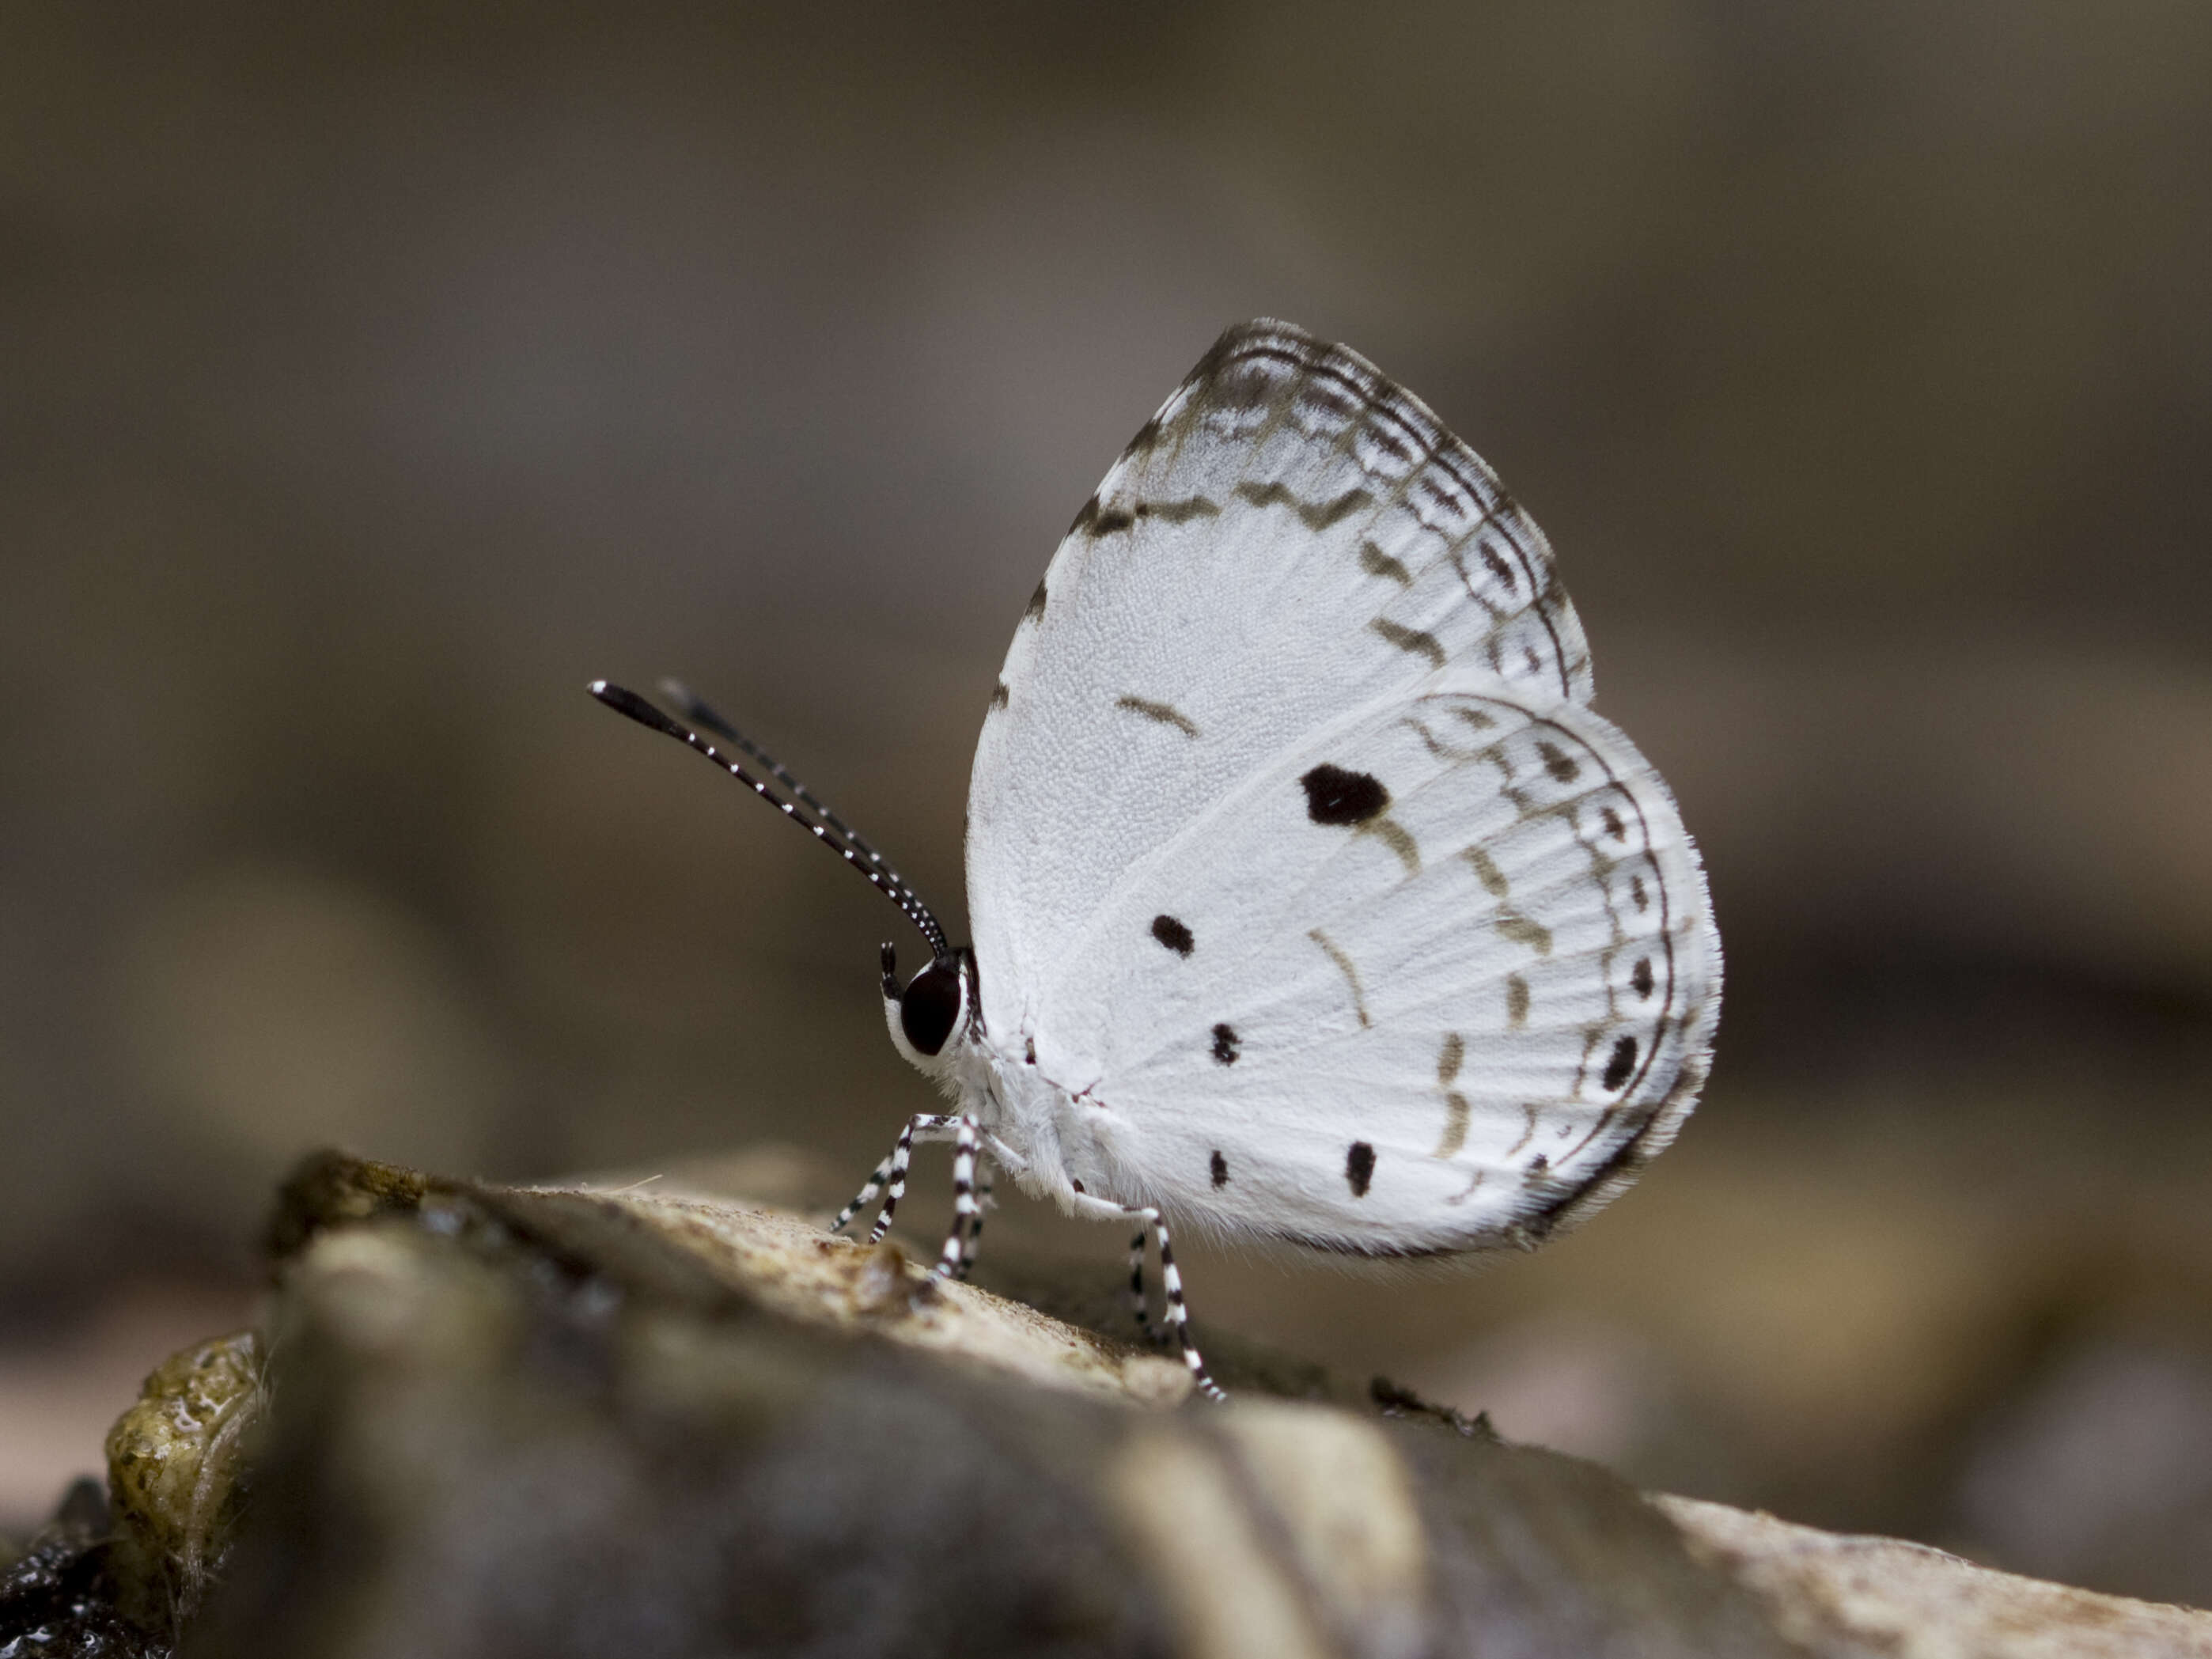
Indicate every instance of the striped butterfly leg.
{"type": "Point", "coordinates": [1139, 1306]}
{"type": "Point", "coordinates": [975, 1227]}
{"type": "Point", "coordinates": [1178, 1314]}
{"type": "Point", "coordinates": [888, 1177]}
{"type": "Point", "coordinates": [959, 1252]}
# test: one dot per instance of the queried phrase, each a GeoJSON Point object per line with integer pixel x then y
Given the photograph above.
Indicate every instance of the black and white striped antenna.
{"type": "Point", "coordinates": [817, 819]}
{"type": "Point", "coordinates": [693, 709]}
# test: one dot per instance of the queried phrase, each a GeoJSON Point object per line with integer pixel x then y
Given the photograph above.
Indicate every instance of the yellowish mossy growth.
{"type": "Point", "coordinates": [173, 1459]}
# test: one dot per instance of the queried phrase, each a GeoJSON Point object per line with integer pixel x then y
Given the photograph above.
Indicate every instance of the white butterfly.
{"type": "Point", "coordinates": [1312, 904]}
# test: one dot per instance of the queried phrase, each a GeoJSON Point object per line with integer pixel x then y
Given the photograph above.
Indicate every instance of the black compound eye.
{"type": "Point", "coordinates": [931, 1006]}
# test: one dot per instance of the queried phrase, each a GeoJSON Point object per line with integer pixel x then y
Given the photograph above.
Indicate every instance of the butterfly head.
{"type": "Point", "coordinates": [940, 1012]}
{"type": "Point", "coordinates": [936, 1010]}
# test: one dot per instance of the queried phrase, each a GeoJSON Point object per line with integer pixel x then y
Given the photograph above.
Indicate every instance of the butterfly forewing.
{"type": "Point", "coordinates": [1291, 536]}
{"type": "Point", "coordinates": [1439, 976]}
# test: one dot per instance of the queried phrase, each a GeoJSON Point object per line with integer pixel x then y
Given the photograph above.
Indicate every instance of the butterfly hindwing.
{"type": "Point", "coordinates": [1441, 975]}
{"type": "Point", "coordinates": [1291, 536]}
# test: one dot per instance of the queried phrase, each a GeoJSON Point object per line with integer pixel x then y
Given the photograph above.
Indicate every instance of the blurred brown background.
{"type": "Point", "coordinates": [370, 378]}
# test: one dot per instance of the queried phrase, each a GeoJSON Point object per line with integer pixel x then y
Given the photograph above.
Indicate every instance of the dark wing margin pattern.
{"type": "Point", "coordinates": [1339, 382]}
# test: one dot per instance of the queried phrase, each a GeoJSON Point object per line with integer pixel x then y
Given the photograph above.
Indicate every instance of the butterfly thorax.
{"type": "Point", "coordinates": [1045, 1132]}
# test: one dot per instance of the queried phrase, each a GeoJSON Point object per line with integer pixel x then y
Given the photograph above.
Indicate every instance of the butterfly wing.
{"type": "Point", "coordinates": [1291, 535]}
{"type": "Point", "coordinates": [1443, 974]}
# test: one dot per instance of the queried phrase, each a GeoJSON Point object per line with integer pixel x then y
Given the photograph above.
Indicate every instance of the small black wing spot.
{"type": "Point", "coordinates": [1173, 934]}
{"type": "Point", "coordinates": [1558, 763]}
{"type": "Point", "coordinates": [1621, 1064]}
{"type": "Point", "coordinates": [1641, 979]}
{"type": "Point", "coordinates": [1359, 1167]}
{"type": "Point", "coordinates": [1335, 796]}
{"type": "Point", "coordinates": [1226, 1044]}
{"type": "Point", "coordinates": [1220, 1170]}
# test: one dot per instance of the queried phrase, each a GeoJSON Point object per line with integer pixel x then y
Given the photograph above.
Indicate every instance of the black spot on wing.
{"type": "Point", "coordinates": [1560, 764]}
{"type": "Point", "coordinates": [999, 695]}
{"type": "Point", "coordinates": [1148, 436]}
{"type": "Point", "coordinates": [1219, 1166]}
{"type": "Point", "coordinates": [1335, 796]}
{"type": "Point", "coordinates": [1495, 562]}
{"type": "Point", "coordinates": [1641, 979]}
{"type": "Point", "coordinates": [1034, 608]}
{"type": "Point", "coordinates": [1613, 826]}
{"type": "Point", "coordinates": [1173, 934]}
{"type": "Point", "coordinates": [1623, 1062]}
{"type": "Point", "coordinates": [1226, 1044]}
{"type": "Point", "coordinates": [1108, 520]}
{"type": "Point", "coordinates": [1359, 1167]}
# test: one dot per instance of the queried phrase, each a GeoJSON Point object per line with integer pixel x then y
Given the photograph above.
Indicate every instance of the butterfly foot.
{"type": "Point", "coordinates": [1178, 1315]}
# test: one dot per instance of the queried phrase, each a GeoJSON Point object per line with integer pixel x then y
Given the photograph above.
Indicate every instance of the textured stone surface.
{"type": "Point", "coordinates": [603, 1421]}
{"type": "Point", "coordinates": [484, 1420]}
{"type": "Point", "coordinates": [1851, 1596]}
